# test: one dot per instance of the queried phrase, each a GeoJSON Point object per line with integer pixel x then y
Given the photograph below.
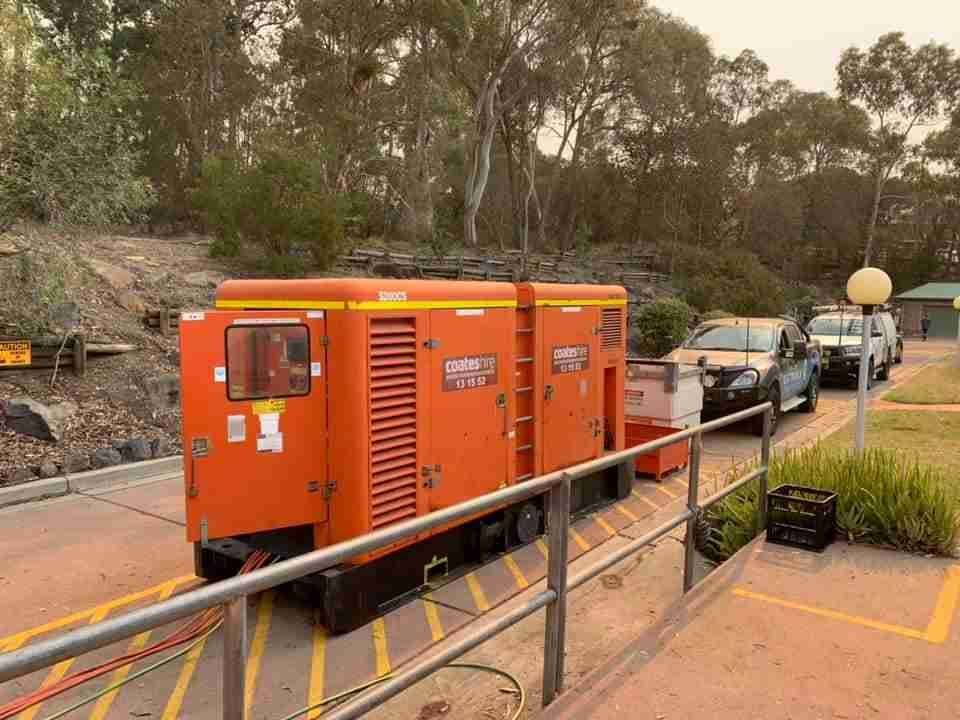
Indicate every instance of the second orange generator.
{"type": "Point", "coordinates": [315, 411]}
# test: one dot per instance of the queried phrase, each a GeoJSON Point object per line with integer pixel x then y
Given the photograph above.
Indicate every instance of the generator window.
{"type": "Point", "coordinates": [267, 361]}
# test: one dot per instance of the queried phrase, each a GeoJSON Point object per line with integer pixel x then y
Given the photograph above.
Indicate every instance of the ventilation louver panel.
{"type": "Point", "coordinates": [611, 329]}
{"type": "Point", "coordinates": [393, 420]}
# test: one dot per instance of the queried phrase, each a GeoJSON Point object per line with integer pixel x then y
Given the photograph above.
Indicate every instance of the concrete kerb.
{"type": "Point", "coordinates": [91, 480]}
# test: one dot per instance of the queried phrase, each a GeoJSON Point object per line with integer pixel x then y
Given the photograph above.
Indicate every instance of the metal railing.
{"type": "Point", "coordinates": [232, 593]}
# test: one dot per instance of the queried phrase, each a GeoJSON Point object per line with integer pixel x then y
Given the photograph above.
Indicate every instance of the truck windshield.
{"type": "Point", "coordinates": [731, 337]}
{"type": "Point", "coordinates": [836, 326]}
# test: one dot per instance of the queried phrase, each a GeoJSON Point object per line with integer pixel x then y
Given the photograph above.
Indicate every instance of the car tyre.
{"type": "Point", "coordinates": [774, 397]}
{"type": "Point", "coordinates": [813, 394]}
{"type": "Point", "coordinates": [885, 369]}
{"type": "Point", "coordinates": [898, 358]}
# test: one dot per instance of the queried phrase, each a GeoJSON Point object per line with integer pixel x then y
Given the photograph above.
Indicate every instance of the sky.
{"type": "Point", "coordinates": [802, 40]}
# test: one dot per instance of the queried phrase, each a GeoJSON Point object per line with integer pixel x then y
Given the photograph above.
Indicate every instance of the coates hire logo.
{"type": "Point", "coordinates": [570, 358]}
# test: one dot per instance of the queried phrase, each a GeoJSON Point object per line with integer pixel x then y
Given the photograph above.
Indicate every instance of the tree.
{"type": "Point", "coordinates": [901, 88]}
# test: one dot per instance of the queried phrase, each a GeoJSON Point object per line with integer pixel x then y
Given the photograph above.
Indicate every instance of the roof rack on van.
{"type": "Point", "coordinates": [851, 309]}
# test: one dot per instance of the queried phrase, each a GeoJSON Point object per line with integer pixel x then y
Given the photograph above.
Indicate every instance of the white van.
{"type": "Point", "coordinates": [840, 332]}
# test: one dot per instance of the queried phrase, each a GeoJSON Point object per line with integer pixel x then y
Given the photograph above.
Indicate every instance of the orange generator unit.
{"type": "Point", "coordinates": [318, 410]}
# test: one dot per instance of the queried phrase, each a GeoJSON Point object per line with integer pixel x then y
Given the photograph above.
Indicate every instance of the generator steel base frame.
{"type": "Point", "coordinates": [348, 596]}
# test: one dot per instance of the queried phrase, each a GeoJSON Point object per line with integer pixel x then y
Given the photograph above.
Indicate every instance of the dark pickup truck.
{"type": "Point", "coordinates": [752, 360]}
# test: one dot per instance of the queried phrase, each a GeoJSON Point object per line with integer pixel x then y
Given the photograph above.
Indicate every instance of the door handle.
{"type": "Point", "coordinates": [502, 405]}
{"type": "Point", "coordinates": [548, 392]}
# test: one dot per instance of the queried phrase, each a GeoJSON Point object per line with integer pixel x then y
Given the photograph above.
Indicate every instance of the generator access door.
{"type": "Point", "coordinates": [471, 420]}
{"type": "Point", "coordinates": [572, 429]}
{"type": "Point", "coordinates": [254, 421]}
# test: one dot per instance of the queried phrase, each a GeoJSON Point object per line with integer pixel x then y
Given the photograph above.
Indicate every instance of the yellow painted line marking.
{"type": "Point", "coordinates": [578, 539]}
{"type": "Point", "coordinates": [517, 573]}
{"type": "Point", "coordinates": [610, 530]}
{"type": "Point", "coordinates": [58, 671]}
{"type": "Point", "coordinates": [479, 598]}
{"type": "Point", "coordinates": [317, 671]}
{"type": "Point", "coordinates": [833, 614]}
{"type": "Point", "coordinates": [433, 618]}
{"type": "Point", "coordinates": [428, 304]}
{"type": "Point", "coordinates": [662, 489]}
{"type": "Point", "coordinates": [172, 710]}
{"type": "Point", "coordinates": [939, 628]}
{"type": "Point", "coordinates": [571, 303]}
{"type": "Point", "coordinates": [639, 496]}
{"type": "Point", "coordinates": [280, 304]}
{"type": "Point", "coordinates": [258, 645]}
{"type": "Point", "coordinates": [542, 547]}
{"type": "Point", "coordinates": [379, 629]}
{"type": "Point", "coordinates": [18, 639]}
{"type": "Point", "coordinates": [626, 513]}
{"type": "Point", "coordinates": [139, 642]}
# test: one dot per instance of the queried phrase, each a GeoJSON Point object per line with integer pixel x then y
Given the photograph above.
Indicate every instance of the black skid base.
{"type": "Point", "coordinates": [348, 596]}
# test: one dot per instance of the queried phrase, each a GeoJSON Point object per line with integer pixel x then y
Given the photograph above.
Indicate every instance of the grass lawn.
{"type": "Point", "coordinates": [932, 437]}
{"type": "Point", "coordinates": [936, 385]}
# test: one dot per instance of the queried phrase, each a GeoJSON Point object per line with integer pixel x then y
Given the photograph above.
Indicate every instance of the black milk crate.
{"type": "Point", "coordinates": [801, 517]}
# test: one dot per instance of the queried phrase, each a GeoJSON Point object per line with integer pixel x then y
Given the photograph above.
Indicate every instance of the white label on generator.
{"type": "Point", "coordinates": [236, 428]}
{"type": "Point", "coordinates": [470, 312]}
{"type": "Point", "coordinates": [266, 321]}
{"type": "Point", "coordinates": [392, 295]}
{"type": "Point", "coordinates": [315, 314]}
{"type": "Point", "coordinates": [270, 443]}
{"type": "Point", "coordinates": [188, 316]}
{"type": "Point", "coordinates": [219, 374]}
{"type": "Point", "coordinates": [571, 309]}
{"type": "Point", "coordinates": [316, 369]}
{"type": "Point", "coordinates": [269, 423]}
{"type": "Point", "coordinates": [512, 434]}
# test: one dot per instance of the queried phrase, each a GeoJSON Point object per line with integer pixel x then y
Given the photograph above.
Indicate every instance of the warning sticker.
{"type": "Point", "coordinates": [570, 358]}
{"type": "Point", "coordinates": [15, 352]}
{"type": "Point", "coordinates": [265, 407]}
{"type": "Point", "coordinates": [469, 371]}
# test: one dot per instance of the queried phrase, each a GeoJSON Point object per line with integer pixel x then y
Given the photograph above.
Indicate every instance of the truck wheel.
{"type": "Point", "coordinates": [813, 394]}
{"type": "Point", "coordinates": [774, 397]}
{"type": "Point", "coordinates": [871, 374]}
{"type": "Point", "coordinates": [898, 359]}
{"type": "Point", "coordinates": [885, 369]}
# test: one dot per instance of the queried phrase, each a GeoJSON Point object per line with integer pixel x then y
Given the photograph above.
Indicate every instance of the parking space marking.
{"type": "Point", "coordinates": [172, 709]}
{"type": "Point", "coordinates": [660, 488]}
{"type": "Point", "coordinates": [939, 628]}
{"type": "Point", "coordinates": [12, 642]}
{"type": "Point", "coordinates": [517, 573]}
{"type": "Point", "coordinates": [433, 618]}
{"type": "Point", "coordinates": [318, 663]}
{"type": "Point", "coordinates": [626, 513]}
{"type": "Point", "coordinates": [58, 671]}
{"type": "Point", "coordinates": [259, 644]}
{"type": "Point", "coordinates": [139, 642]}
{"type": "Point", "coordinates": [610, 530]}
{"type": "Point", "coordinates": [542, 547]}
{"type": "Point", "coordinates": [479, 598]}
{"type": "Point", "coordinates": [578, 539]}
{"type": "Point", "coordinates": [378, 629]}
{"type": "Point", "coordinates": [637, 494]}
{"type": "Point", "coordinates": [835, 615]}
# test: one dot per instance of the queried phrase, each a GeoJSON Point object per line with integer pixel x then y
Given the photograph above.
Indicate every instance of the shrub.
{"type": "Point", "coordinates": [661, 326]}
{"type": "Point", "coordinates": [278, 206]}
{"type": "Point", "coordinates": [883, 499]}
{"type": "Point", "coordinates": [732, 279]}
{"type": "Point", "coordinates": [716, 315]}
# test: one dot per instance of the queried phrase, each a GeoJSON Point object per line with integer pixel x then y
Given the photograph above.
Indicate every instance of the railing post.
{"type": "Point", "coordinates": [765, 461]}
{"type": "Point", "coordinates": [234, 658]}
{"type": "Point", "coordinates": [558, 518]}
{"type": "Point", "coordinates": [693, 499]}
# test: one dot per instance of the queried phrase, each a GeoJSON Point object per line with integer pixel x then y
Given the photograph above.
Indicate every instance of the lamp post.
{"type": "Point", "coordinates": [867, 287]}
{"type": "Point", "coordinates": [956, 306]}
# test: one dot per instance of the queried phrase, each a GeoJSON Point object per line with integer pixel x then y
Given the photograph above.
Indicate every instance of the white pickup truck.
{"type": "Point", "coordinates": [840, 333]}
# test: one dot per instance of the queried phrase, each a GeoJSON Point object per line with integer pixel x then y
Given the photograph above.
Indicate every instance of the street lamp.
{"type": "Point", "coordinates": [956, 306]}
{"type": "Point", "coordinates": [867, 288]}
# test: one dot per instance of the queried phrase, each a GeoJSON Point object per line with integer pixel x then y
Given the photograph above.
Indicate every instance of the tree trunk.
{"type": "Point", "coordinates": [872, 224]}
{"type": "Point", "coordinates": [479, 147]}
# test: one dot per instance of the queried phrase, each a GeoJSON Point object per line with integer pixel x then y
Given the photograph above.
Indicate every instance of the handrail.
{"type": "Point", "coordinates": [232, 592]}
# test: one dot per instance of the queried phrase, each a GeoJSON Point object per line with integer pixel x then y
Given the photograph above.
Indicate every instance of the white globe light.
{"type": "Point", "coordinates": [956, 303]}
{"type": "Point", "coordinates": [869, 286]}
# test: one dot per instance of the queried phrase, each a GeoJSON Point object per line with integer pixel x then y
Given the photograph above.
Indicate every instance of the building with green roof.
{"type": "Point", "coordinates": [937, 299]}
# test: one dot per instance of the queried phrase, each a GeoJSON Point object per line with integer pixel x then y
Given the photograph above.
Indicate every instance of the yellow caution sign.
{"type": "Point", "coordinates": [265, 407]}
{"type": "Point", "coordinates": [15, 352]}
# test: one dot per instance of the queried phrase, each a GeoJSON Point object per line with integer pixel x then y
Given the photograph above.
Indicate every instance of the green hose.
{"type": "Point", "coordinates": [365, 686]}
{"type": "Point", "coordinates": [133, 676]}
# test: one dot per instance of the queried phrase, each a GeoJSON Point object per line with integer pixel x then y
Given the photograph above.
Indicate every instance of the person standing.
{"type": "Point", "coordinates": [925, 324]}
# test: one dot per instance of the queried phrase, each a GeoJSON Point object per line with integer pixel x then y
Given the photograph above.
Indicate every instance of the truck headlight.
{"type": "Point", "coordinates": [748, 378]}
{"type": "Point", "coordinates": [851, 350]}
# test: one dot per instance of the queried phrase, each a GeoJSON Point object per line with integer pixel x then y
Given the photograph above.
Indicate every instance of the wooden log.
{"type": "Point", "coordinates": [79, 356]}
